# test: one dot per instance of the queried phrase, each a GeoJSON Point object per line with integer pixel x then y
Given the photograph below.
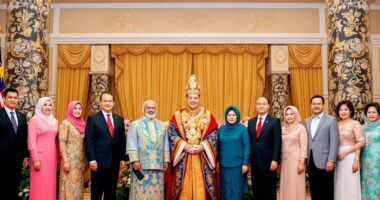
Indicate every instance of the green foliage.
{"type": "Point", "coordinates": [24, 185]}
{"type": "Point", "coordinates": [123, 184]}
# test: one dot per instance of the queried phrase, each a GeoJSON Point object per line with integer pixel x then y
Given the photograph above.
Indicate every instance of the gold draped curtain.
{"type": "Point", "coordinates": [73, 77]}
{"type": "Point", "coordinates": [227, 74]}
{"type": "Point", "coordinates": [305, 64]}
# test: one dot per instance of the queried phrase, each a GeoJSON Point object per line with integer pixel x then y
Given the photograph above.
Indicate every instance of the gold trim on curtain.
{"type": "Point", "coordinates": [73, 77]}
{"type": "Point", "coordinates": [227, 74]}
{"type": "Point", "coordinates": [305, 64]}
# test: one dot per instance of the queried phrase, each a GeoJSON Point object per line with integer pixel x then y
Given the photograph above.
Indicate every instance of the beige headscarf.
{"type": "Point", "coordinates": [289, 127]}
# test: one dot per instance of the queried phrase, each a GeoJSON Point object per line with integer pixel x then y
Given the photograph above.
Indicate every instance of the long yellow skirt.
{"type": "Point", "coordinates": [193, 186]}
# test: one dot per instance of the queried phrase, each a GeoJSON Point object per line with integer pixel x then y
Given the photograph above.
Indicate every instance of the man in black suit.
{"type": "Point", "coordinates": [265, 136]}
{"type": "Point", "coordinates": [105, 147]}
{"type": "Point", "coordinates": [13, 145]}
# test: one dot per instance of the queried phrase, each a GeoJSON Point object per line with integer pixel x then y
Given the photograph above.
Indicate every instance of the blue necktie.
{"type": "Point", "coordinates": [14, 123]}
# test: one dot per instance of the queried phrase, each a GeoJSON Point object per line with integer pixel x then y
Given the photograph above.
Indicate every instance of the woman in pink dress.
{"type": "Point", "coordinates": [351, 140]}
{"type": "Point", "coordinates": [43, 148]}
{"type": "Point", "coordinates": [293, 155]}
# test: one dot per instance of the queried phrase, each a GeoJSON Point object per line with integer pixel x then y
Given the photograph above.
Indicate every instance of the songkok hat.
{"type": "Point", "coordinates": [192, 87]}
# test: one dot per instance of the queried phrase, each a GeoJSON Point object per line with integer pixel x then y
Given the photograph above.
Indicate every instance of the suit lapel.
{"type": "Point", "coordinates": [115, 124]}
{"type": "Point", "coordinates": [20, 120]}
{"type": "Point", "coordinates": [264, 125]}
{"type": "Point", "coordinates": [102, 120]}
{"type": "Point", "coordinates": [5, 116]}
{"type": "Point", "coordinates": [308, 127]}
{"type": "Point", "coordinates": [254, 122]}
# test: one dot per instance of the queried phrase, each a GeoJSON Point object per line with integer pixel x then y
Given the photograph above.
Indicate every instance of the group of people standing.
{"type": "Point", "coordinates": [192, 157]}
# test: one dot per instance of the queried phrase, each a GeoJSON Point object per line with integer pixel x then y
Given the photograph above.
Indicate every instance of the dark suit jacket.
{"type": "Point", "coordinates": [100, 146]}
{"type": "Point", "coordinates": [267, 147]}
{"type": "Point", "coordinates": [13, 146]}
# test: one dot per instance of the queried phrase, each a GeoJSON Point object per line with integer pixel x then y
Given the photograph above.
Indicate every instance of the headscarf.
{"type": "Point", "coordinates": [228, 126]}
{"type": "Point", "coordinates": [289, 127]}
{"type": "Point", "coordinates": [49, 119]}
{"type": "Point", "coordinates": [370, 126]}
{"type": "Point", "coordinates": [77, 122]}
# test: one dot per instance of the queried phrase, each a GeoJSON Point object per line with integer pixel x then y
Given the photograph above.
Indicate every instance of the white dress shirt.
{"type": "Point", "coordinates": [105, 117]}
{"type": "Point", "coordinates": [262, 120]}
{"type": "Point", "coordinates": [314, 124]}
{"type": "Point", "coordinates": [9, 113]}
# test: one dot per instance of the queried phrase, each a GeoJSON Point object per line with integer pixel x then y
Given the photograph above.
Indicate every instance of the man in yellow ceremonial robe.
{"type": "Point", "coordinates": [192, 134]}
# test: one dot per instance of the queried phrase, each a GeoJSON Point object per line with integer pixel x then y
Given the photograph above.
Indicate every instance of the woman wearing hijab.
{"type": "Point", "coordinates": [234, 150]}
{"type": "Point", "coordinates": [293, 155]}
{"type": "Point", "coordinates": [71, 136]}
{"type": "Point", "coordinates": [43, 148]}
{"type": "Point", "coordinates": [370, 172]}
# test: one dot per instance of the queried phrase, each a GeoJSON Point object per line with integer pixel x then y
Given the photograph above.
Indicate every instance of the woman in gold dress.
{"type": "Point", "coordinates": [71, 136]}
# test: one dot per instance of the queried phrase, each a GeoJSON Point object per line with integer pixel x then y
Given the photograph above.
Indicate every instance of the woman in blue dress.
{"type": "Point", "coordinates": [234, 150]}
{"type": "Point", "coordinates": [370, 172]}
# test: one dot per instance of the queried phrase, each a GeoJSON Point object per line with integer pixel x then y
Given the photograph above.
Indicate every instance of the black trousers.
{"type": "Point", "coordinates": [264, 184]}
{"type": "Point", "coordinates": [321, 182]}
{"type": "Point", "coordinates": [104, 181]}
{"type": "Point", "coordinates": [10, 176]}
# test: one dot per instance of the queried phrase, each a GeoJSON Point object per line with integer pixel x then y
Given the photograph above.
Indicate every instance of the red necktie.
{"type": "Point", "coordinates": [258, 129]}
{"type": "Point", "coordinates": [109, 123]}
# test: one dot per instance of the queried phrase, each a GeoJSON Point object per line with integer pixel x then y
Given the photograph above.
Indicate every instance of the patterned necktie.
{"type": "Point", "coordinates": [109, 123]}
{"type": "Point", "coordinates": [14, 123]}
{"type": "Point", "coordinates": [258, 129]}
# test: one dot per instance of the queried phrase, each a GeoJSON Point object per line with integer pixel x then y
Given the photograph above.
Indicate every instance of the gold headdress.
{"type": "Point", "coordinates": [192, 86]}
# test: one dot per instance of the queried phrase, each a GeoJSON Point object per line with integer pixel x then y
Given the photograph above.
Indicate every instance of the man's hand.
{"type": "Point", "coordinates": [198, 149]}
{"type": "Point", "coordinates": [244, 169]}
{"type": "Point", "coordinates": [94, 166]}
{"type": "Point", "coordinates": [137, 166]}
{"type": "Point", "coordinates": [122, 164]}
{"type": "Point", "coordinates": [25, 163]}
{"type": "Point", "coordinates": [273, 165]}
{"type": "Point", "coordinates": [37, 165]}
{"type": "Point", "coordinates": [166, 166]}
{"type": "Point", "coordinates": [188, 148]}
{"type": "Point", "coordinates": [329, 166]}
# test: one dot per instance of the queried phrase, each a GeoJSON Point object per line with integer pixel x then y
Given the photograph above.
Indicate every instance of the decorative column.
{"type": "Point", "coordinates": [278, 79]}
{"type": "Point", "coordinates": [348, 58]}
{"type": "Point", "coordinates": [101, 74]}
{"type": "Point", "coordinates": [27, 50]}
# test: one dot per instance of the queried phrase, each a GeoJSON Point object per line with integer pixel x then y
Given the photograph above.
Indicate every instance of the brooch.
{"type": "Point", "coordinates": [204, 120]}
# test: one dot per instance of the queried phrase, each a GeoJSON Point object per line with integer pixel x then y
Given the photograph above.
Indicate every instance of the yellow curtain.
{"type": "Point", "coordinates": [73, 77]}
{"type": "Point", "coordinates": [231, 74]}
{"type": "Point", "coordinates": [305, 64]}
{"type": "Point", "coordinates": [143, 73]}
{"type": "Point", "coordinates": [227, 74]}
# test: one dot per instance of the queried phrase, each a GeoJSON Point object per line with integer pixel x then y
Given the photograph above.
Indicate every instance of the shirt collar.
{"type": "Point", "coordinates": [319, 116]}
{"type": "Point", "coordinates": [105, 113]}
{"type": "Point", "coordinates": [8, 110]}
{"type": "Point", "coordinates": [263, 116]}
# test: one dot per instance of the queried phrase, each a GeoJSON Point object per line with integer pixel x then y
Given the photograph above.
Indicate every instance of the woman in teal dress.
{"type": "Point", "coordinates": [234, 150]}
{"type": "Point", "coordinates": [370, 172]}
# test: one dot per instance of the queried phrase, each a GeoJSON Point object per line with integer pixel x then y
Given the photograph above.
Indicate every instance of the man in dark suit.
{"type": "Point", "coordinates": [13, 145]}
{"type": "Point", "coordinates": [323, 133]}
{"type": "Point", "coordinates": [265, 137]}
{"type": "Point", "coordinates": [105, 147]}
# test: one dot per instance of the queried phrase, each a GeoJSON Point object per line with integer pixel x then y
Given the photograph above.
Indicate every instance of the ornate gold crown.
{"type": "Point", "coordinates": [192, 86]}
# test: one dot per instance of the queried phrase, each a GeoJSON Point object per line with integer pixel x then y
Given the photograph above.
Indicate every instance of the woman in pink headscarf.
{"type": "Point", "coordinates": [293, 155]}
{"type": "Point", "coordinates": [71, 135]}
{"type": "Point", "coordinates": [43, 148]}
